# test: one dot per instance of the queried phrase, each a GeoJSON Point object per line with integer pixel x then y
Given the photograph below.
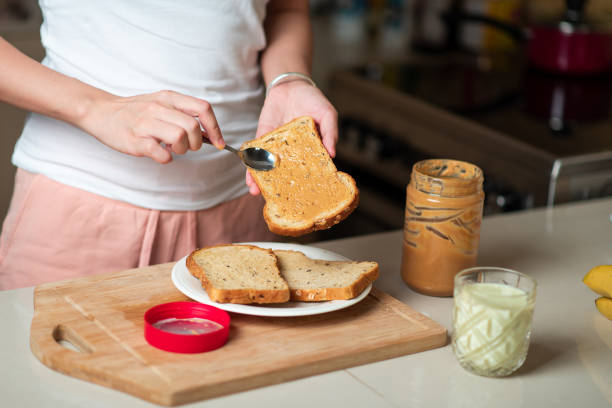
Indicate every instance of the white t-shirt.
{"type": "Point", "coordinates": [208, 49]}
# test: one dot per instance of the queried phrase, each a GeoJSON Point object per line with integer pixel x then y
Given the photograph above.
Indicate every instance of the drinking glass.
{"type": "Point", "coordinates": [492, 319]}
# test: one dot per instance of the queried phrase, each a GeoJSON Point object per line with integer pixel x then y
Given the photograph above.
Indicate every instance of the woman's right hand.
{"type": "Point", "coordinates": [152, 125]}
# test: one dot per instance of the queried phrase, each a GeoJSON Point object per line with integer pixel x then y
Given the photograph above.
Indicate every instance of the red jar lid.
{"type": "Point", "coordinates": [186, 327]}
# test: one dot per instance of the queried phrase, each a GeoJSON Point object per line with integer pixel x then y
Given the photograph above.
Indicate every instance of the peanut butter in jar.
{"type": "Point", "coordinates": [444, 202]}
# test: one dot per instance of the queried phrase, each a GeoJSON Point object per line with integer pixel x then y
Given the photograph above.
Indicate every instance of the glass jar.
{"type": "Point", "coordinates": [444, 202]}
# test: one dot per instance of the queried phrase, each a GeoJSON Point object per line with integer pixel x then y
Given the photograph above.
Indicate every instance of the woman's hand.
{"type": "Point", "coordinates": [152, 125]}
{"type": "Point", "coordinates": [289, 100]}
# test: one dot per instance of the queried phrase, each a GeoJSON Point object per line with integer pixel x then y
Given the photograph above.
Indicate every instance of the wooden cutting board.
{"type": "Point", "coordinates": [102, 316]}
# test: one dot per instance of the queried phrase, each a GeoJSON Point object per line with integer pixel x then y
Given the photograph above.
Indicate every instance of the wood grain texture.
{"type": "Point", "coordinates": [103, 317]}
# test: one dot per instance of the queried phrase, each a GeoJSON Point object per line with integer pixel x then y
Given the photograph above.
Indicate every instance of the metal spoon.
{"type": "Point", "coordinates": [253, 157]}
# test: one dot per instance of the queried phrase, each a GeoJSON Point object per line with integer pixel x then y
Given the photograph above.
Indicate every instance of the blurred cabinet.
{"type": "Point", "coordinates": [19, 25]}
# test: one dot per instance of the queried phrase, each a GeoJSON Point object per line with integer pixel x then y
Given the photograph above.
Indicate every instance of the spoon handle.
{"type": "Point", "coordinates": [205, 139]}
{"type": "Point", "coordinates": [226, 147]}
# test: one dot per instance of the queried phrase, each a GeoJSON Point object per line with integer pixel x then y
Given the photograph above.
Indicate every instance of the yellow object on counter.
{"type": "Point", "coordinates": [599, 279]}
{"type": "Point", "coordinates": [604, 305]}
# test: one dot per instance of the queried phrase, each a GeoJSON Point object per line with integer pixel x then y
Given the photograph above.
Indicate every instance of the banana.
{"type": "Point", "coordinates": [599, 279]}
{"type": "Point", "coordinates": [604, 305]}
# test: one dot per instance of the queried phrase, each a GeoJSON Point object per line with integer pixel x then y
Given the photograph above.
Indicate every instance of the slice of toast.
{"type": "Point", "coordinates": [238, 274]}
{"type": "Point", "coordinates": [304, 192]}
{"type": "Point", "coordinates": [313, 280]}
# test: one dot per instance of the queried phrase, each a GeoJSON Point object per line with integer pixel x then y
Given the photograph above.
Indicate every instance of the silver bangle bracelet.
{"type": "Point", "coordinates": [281, 78]}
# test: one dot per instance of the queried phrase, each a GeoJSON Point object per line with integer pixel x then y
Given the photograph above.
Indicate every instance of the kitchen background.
{"type": "Point", "coordinates": [420, 79]}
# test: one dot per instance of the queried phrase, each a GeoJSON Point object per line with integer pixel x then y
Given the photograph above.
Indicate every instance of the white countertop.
{"type": "Point", "coordinates": [569, 362]}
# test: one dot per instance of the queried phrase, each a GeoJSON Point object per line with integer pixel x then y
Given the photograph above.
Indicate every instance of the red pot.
{"type": "Point", "coordinates": [570, 49]}
{"type": "Point", "coordinates": [569, 46]}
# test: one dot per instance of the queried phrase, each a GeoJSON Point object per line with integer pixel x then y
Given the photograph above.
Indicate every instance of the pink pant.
{"type": "Point", "coordinates": [55, 232]}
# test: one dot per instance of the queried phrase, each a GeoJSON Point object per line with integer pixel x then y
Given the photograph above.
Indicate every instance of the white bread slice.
{"type": "Point", "coordinates": [304, 192]}
{"type": "Point", "coordinates": [238, 274]}
{"type": "Point", "coordinates": [317, 280]}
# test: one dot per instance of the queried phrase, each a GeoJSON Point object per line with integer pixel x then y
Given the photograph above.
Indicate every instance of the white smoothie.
{"type": "Point", "coordinates": [492, 327]}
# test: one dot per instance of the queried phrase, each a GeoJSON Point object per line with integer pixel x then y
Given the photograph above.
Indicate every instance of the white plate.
{"type": "Point", "coordinates": [191, 287]}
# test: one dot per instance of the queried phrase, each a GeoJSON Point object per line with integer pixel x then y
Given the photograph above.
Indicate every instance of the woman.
{"type": "Point", "coordinates": [112, 173]}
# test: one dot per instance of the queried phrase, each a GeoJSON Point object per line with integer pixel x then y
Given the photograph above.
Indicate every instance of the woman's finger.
{"type": "Point", "coordinates": [168, 133]}
{"type": "Point", "coordinates": [329, 130]}
{"type": "Point", "coordinates": [185, 121]}
{"type": "Point", "coordinates": [151, 148]}
{"type": "Point", "coordinates": [200, 109]}
{"type": "Point", "coordinates": [253, 188]}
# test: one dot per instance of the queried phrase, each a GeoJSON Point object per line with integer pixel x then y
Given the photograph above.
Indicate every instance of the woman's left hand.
{"type": "Point", "coordinates": [292, 99]}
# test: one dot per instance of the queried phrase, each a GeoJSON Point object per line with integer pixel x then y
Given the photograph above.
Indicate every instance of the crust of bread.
{"type": "Point", "coordinates": [241, 296]}
{"type": "Point", "coordinates": [308, 225]}
{"type": "Point", "coordinates": [333, 293]}
{"type": "Point", "coordinates": [349, 292]}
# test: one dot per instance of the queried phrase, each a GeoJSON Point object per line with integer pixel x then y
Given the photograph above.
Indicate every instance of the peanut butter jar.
{"type": "Point", "coordinates": [444, 202]}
